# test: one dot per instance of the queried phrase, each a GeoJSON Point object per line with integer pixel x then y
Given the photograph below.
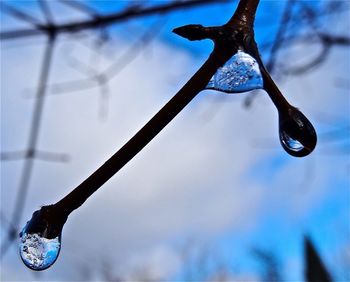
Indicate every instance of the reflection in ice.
{"type": "Point", "coordinates": [290, 143]}
{"type": "Point", "coordinates": [297, 135]}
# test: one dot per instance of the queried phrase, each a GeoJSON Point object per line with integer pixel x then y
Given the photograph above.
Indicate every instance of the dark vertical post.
{"type": "Point", "coordinates": [32, 143]}
{"type": "Point", "coordinates": [35, 129]}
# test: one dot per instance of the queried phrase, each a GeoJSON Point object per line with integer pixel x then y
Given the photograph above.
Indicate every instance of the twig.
{"type": "Point", "coordinates": [20, 15]}
{"type": "Point", "coordinates": [82, 7]}
{"type": "Point", "coordinates": [104, 20]}
{"type": "Point", "coordinates": [277, 43]}
{"type": "Point", "coordinates": [242, 20]}
{"type": "Point", "coordinates": [113, 69]}
{"type": "Point", "coordinates": [46, 11]}
{"type": "Point", "coordinates": [101, 79]}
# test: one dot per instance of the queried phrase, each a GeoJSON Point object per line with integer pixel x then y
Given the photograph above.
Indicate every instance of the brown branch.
{"type": "Point", "coordinates": [57, 214]}
{"type": "Point", "coordinates": [197, 83]}
{"type": "Point", "coordinates": [244, 14]}
{"type": "Point", "coordinates": [276, 45]}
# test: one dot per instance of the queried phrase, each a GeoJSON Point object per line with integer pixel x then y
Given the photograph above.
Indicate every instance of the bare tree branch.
{"type": "Point", "coordinates": [82, 7]}
{"type": "Point", "coordinates": [46, 11]}
{"type": "Point", "coordinates": [20, 15]}
{"type": "Point", "coordinates": [104, 20]}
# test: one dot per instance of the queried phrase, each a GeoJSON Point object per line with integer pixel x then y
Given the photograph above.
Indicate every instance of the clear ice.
{"type": "Point", "coordinates": [297, 135]}
{"type": "Point", "coordinates": [38, 252]}
{"type": "Point", "coordinates": [239, 74]}
{"type": "Point", "coordinates": [290, 143]}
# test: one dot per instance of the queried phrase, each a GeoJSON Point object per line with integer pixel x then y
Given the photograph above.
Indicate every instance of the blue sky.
{"type": "Point", "coordinates": [216, 175]}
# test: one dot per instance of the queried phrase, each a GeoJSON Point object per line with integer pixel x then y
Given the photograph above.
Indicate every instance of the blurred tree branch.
{"type": "Point", "coordinates": [103, 20]}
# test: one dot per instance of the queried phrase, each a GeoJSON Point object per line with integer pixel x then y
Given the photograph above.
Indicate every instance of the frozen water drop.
{"type": "Point", "coordinates": [239, 74]}
{"type": "Point", "coordinates": [297, 135]}
{"type": "Point", "coordinates": [40, 239]}
{"type": "Point", "coordinates": [289, 142]}
{"type": "Point", "coordinates": [38, 252]}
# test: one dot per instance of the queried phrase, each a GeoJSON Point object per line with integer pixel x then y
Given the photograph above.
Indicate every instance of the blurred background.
{"type": "Point", "coordinates": [213, 197]}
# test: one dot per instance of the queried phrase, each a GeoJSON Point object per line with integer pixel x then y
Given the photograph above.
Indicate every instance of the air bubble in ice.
{"type": "Point", "coordinates": [239, 74]}
{"type": "Point", "coordinates": [38, 252]}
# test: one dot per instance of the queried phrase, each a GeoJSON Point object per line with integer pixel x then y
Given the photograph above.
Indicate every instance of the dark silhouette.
{"type": "Point", "coordinates": [315, 270]}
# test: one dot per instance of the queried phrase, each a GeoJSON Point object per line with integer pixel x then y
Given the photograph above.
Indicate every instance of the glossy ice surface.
{"type": "Point", "coordinates": [290, 143]}
{"type": "Point", "coordinates": [239, 74]}
{"type": "Point", "coordinates": [38, 252]}
{"type": "Point", "coordinates": [297, 134]}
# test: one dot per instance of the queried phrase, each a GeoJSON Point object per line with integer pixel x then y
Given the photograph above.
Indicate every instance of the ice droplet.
{"type": "Point", "coordinates": [40, 239]}
{"type": "Point", "coordinates": [239, 74]}
{"type": "Point", "coordinates": [289, 142]}
{"type": "Point", "coordinates": [38, 252]}
{"type": "Point", "coordinates": [297, 135]}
